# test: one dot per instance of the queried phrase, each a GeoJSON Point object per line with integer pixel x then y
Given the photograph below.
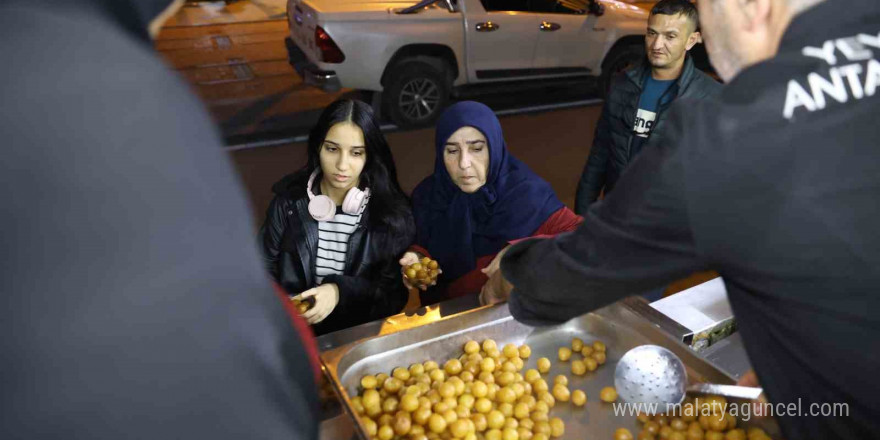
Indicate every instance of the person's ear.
{"type": "Point", "coordinates": [693, 39]}
{"type": "Point", "coordinates": [756, 14]}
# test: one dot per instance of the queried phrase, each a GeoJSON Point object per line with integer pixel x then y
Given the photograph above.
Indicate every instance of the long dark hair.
{"type": "Point", "coordinates": [389, 206]}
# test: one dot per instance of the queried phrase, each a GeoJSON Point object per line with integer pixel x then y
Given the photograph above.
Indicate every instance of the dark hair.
{"type": "Point", "coordinates": [389, 206]}
{"type": "Point", "coordinates": [675, 7]}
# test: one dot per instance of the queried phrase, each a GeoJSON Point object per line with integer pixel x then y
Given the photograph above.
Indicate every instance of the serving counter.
{"type": "Point", "coordinates": [438, 333]}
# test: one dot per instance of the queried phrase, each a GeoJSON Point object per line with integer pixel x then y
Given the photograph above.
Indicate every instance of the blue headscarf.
{"type": "Point", "coordinates": [457, 228]}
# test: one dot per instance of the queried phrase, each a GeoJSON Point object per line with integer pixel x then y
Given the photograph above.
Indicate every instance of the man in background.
{"type": "Point", "coordinates": [134, 302]}
{"type": "Point", "coordinates": [638, 99]}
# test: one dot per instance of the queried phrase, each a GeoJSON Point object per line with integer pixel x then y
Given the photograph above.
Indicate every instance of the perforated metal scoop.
{"type": "Point", "coordinates": [651, 374]}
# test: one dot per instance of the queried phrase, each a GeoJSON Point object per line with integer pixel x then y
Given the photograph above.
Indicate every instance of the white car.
{"type": "Point", "coordinates": [417, 54]}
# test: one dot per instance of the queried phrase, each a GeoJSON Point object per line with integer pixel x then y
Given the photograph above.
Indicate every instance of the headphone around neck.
{"type": "Point", "coordinates": [322, 208]}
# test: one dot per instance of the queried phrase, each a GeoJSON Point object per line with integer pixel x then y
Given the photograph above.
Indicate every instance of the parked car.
{"type": "Point", "coordinates": [417, 54]}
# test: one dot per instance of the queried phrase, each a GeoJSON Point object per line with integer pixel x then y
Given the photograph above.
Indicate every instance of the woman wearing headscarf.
{"type": "Point", "coordinates": [479, 199]}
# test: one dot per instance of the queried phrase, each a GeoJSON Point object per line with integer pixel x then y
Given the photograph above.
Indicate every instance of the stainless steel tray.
{"type": "Point", "coordinates": [405, 341]}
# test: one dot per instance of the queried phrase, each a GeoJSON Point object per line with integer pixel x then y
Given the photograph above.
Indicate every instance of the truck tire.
{"type": "Point", "coordinates": [417, 91]}
{"type": "Point", "coordinates": [619, 60]}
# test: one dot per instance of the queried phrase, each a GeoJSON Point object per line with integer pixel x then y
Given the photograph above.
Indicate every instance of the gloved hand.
{"type": "Point", "coordinates": [326, 298]}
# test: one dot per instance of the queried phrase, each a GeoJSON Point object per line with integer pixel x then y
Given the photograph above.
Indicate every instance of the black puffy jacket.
{"type": "Point", "coordinates": [371, 287]}
{"type": "Point", "coordinates": [611, 151]}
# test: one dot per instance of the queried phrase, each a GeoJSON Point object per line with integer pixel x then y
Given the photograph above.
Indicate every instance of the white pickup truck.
{"type": "Point", "coordinates": [417, 54]}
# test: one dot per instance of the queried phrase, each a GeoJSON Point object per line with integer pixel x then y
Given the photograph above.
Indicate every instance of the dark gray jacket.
{"type": "Point", "coordinates": [611, 151]}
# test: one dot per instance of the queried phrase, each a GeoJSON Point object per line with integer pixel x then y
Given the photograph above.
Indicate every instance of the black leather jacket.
{"type": "Point", "coordinates": [611, 151]}
{"type": "Point", "coordinates": [371, 287]}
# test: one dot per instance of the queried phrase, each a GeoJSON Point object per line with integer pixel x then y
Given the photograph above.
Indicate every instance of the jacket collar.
{"type": "Point", "coordinates": [639, 74]}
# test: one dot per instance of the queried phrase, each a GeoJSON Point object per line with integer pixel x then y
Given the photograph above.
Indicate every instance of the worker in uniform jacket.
{"type": "Point", "coordinates": [134, 302]}
{"type": "Point", "coordinates": [776, 186]}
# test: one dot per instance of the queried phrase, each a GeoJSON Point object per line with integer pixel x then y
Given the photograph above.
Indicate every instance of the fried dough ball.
{"type": "Point", "coordinates": [544, 365]}
{"type": "Point", "coordinates": [540, 386]}
{"type": "Point", "coordinates": [409, 402]}
{"type": "Point", "coordinates": [557, 427]}
{"type": "Point", "coordinates": [505, 395]}
{"type": "Point", "coordinates": [521, 411]}
{"type": "Point", "coordinates": [369, 382]}
{"type": "Point", "coordinates": [436, 423]}
{"type": "Point", "coordinates": [401, 374]}
{"type": "Point", "coordinates": [437, 375]}
{"type": "Point", "coordinates": [564, 354]}
{"type": "Point", "coordinates": [623, 434]}
{"type": "Point", "coordinates": [422, 415]}
{"type": "Point", "coordinates": [483, 405]}
{"type": "Point", "coordinates": [358, 405]}
{"type": "Point", "coordinates": [591, 364]}
{"type": "Point", "coordinates": [402, 423]}
{"type": "Point", "coordinates": [389, 406]}
{"type": "Point", "coordinates": [370, 426]}
{"type": "Point", "coordinates": [487, 365]}
{"type": "Point", "coordinates": [489, 345]}
{"type": "Point", "coordinates": [532, 375]}
{"type": "Point", "coordinates": [504, 378]}
{"type": "Point", "coordinates": [471, 347]}
{"type": "Point", "coordinates": [547, 398]}
{"type": "Point", "coordinates": [452, 367]}
{"type": "Point", "coordinates": [608, 395]}
{"type": "Point", "coordinates": [510, 351]}
{"type": "Point", "coordinates": [385, 433]}
{"type": "Point", "coordinates": [678, 424]}
{"type": "Point", "coordinates": [370, 399]}
{"type": "Point", "coordinates": [495, 420]}
{"type": "Point", "coordinates": [459, 428]}
{"type": "Point", "coordinates": [430, 366]}
{"type": "Point", "coordinates": [645, 435]}
{"type": "Point", "coordinates": [561, 392]}
{"type": "Point", "coordinates": [578, 397]}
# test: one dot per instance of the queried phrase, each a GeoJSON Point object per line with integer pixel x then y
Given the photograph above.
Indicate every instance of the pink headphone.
{"type": "Point", "coordinates": [322, 208]}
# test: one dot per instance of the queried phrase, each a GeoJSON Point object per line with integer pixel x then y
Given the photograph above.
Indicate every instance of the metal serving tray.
{"type": "Point", "coordinates": [440, 339]}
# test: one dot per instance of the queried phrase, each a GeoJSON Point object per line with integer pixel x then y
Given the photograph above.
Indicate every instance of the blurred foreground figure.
{"type": "Point", "coordinates": [134, 302]}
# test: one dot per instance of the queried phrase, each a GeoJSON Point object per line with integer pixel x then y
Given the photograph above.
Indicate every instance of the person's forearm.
{"type": "Point", "coordinates": [545, 290]}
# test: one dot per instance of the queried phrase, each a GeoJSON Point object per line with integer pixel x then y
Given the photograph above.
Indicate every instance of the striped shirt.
{"type": "Point", "coordinates": [333, 237]}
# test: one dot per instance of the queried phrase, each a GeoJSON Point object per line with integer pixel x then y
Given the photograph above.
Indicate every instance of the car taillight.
{"type": "Point", "coordinates": [330, 52]}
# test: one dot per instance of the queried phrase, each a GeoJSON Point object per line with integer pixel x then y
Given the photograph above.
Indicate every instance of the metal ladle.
{"type": "Point", "coordinates": [651, 374]}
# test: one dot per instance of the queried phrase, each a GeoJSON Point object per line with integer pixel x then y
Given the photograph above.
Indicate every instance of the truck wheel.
{"type": "Point", "coordinates": [618, 61]}
{"type": "Point", "coordinates": [417, 92]}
